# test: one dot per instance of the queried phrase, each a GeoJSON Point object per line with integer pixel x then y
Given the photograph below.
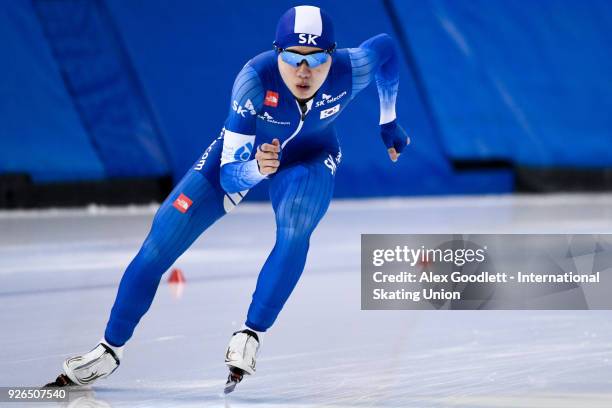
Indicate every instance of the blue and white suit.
{"type": "Point", "coordinates": [262, 108]}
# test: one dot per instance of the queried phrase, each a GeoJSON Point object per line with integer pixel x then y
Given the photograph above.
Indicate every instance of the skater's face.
{"type": "Point", "coordinates": [303, 80]}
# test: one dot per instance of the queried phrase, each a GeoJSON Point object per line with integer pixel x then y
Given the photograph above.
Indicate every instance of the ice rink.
{"type": "Point", "coordinates": [59, 271]}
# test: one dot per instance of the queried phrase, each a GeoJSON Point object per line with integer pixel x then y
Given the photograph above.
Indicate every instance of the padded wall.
{"type": "Point", "coordinates": [529, 82]}
{"type": "Point", "coordinates": [188, 57]}
{"type": "Point", "coordinates": [105, 91]}
{"type": "Point", "coordinates": [97, 89]}
{"type": "Point", "coordinates": [40, 132]}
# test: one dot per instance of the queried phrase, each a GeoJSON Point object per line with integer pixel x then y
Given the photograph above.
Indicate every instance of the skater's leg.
{"type": "Point", "coordinates": [300, 196]}
{"type": "Point", "coordinates": [173, 231]}
{"type": "Point", "coordinates": [194, 204]}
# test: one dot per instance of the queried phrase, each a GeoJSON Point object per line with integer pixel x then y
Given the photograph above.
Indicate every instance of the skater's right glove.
{"type": "Point", "coordinates": [395, 138]}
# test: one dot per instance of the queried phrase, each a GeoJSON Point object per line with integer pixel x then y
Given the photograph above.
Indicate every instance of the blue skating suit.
{"type": "Point", "coordinates": [262, 108]}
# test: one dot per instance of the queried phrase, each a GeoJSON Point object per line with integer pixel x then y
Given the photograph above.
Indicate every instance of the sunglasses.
{"type": "Point", "coordinates": [313, 60]}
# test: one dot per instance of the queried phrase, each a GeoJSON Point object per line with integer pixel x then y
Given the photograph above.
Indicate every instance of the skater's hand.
{"type": "Point", "coordinates": [267, 157]}
{"type": "Point", "coordinates": [395, 138]}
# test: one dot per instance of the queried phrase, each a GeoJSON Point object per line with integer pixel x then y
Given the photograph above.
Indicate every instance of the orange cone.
{"type": "Point", "coordinates": [176, 276]}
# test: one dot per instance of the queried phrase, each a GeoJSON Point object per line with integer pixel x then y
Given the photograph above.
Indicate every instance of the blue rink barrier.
{"type": "Point", "coordinates": [40, 131]}
{"type": "Point", "coordinates": [193, 109]}
{"type": "Point", "coordinates": [98, 90]}
{"type": "Point", "coordinates": [528, 82]}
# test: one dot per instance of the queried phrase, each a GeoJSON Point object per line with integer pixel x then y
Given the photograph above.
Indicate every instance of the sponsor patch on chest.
{"type": "Point", "coordinates": [328, 99]}
{"type": "Point", "coordinates": [271, 99]}
{"type": "Point", "coordinates": [270, 119]}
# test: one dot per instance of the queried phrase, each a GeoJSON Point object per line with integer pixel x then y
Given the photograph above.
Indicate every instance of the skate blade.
{"type": "Point", "coordinates": [61, 381]}
{"type": "Point", "coordinates": [230, 386]}
{"type": "Point", "coordinates": [234, 377]}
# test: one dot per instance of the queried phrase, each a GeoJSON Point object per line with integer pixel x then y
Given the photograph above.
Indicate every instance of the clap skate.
{"type": "Point", "coordinates": [100, 362]}
{"type": "Point", "coordinates": [240, 357]}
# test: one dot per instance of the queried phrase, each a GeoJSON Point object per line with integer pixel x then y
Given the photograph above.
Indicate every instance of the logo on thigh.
{"type": "Point", "coordinates": [182, 203]}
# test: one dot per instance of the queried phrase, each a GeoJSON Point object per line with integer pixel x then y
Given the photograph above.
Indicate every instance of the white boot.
{"type": "Point", "coordinates": [242, 351]}
{"type": "Point", "coordinates": [100, 362]}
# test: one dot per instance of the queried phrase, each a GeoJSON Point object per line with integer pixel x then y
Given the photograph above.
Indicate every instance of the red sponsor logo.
{"type": "Point", "coordinates": [182, 203]}
{"type": "Point", "coordinates": [271, 99]}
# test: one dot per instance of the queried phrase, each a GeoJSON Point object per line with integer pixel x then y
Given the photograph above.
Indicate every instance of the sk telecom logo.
{"type": "Point", "coordinates": [271, 99]}
{"type": "Point", "coordinates": [182, 203]}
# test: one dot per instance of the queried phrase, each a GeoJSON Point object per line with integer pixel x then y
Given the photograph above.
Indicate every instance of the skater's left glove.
{"type": "Point", "coordinates": [395, 138]}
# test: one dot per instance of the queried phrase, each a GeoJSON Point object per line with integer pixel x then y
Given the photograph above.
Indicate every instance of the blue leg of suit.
{"type": "Point", "coordinates": [171, 234]}
{"type": "Point", "coordinates": [300, 195]}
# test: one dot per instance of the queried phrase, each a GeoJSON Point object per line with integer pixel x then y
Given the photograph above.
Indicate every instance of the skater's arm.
{"type": "Point", "coordinates": [238, 171]}
{"type": "Point", "coordinates": [240, 176]}
{"type": "Point", "coordinates": [377, 58]}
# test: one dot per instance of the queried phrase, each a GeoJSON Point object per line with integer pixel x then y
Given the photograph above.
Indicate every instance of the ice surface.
{"type": "Point", "coordinates": [59, 271]}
